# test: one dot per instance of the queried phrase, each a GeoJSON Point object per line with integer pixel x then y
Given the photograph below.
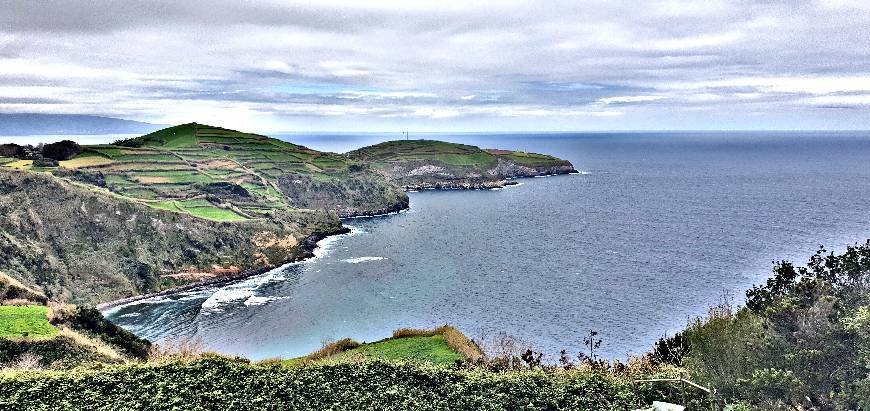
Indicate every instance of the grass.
{"type": "Point", "coordinates": [442, 345]}
{"type": "Point", "coordinates": [20, 164]}
{"type": "Point", "coordinates": [531, 159]}
{"type": "Point", "coordinates": [166, 205]}
{"type": "Point", "coordinates": [432, 349]}
{"type": "Point", "coordinates": [215, 213]}
{"type": "Point", "coordinates": [28, 321]}
{"type": "Point", "coordinates": [86, 159]}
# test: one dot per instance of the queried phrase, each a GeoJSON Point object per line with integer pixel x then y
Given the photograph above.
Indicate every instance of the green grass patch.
{"type": "Point", "coordinates": [214, 213]}
{"type": "Point", "coordinates": [432, 349]}
{"type": "Point", "coordinates": [107, 151]}
{"type": "Point", "coordinates": [531, 159]}
{"type": "Point", "coordinates": [166, 205]}
{"type": "Point", "coordinates": [140, 193]}
{"type": "Point", "coordinates": [195, 203]}
{"type": "Point", "coordinates": [25, 321]}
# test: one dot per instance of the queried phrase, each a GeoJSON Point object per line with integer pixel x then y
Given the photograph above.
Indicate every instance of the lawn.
{"type": "Point", "coordinates": [432, 349]}
{"type": "Point", "coordinates": [25, 321]}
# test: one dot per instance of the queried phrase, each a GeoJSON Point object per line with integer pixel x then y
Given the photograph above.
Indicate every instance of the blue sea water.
{"type": "Point", "coordinates": [657, 228]}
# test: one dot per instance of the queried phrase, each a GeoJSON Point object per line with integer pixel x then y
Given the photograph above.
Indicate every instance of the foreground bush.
{"type": "Point", "coordinates": [801, 342]}
{"type": "Point", "coordinates": [227, 384]}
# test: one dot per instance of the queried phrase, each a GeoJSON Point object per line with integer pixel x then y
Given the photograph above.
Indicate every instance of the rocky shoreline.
{"type": "Point", "coordinates": [486, 184]}
{"type": "Point", "coordinates": [308, 245]}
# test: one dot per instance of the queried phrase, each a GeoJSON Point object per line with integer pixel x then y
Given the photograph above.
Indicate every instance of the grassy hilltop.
{"type": "Point", "coordinates": [436, 164]}
{"type": "Point", "coordinates": [227, 175]}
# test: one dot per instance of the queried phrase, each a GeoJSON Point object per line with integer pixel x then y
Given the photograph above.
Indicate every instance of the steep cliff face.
{"type": "Point", "coordinates": [416, 164]}
{"type": "Point", "coordinates": [80, 244]}
{"type": "Point", "coordinates": [356, 194]}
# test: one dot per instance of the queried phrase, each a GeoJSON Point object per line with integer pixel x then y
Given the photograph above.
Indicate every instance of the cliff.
{"type": "Point", "coordinates": [416, 164]}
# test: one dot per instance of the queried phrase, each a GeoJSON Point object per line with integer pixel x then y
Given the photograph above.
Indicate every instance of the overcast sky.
{"type": "Point", "coordinates": [442, 65]}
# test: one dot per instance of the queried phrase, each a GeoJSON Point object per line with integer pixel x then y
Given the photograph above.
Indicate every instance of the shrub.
{"type": "Point", "coordinates": [62, 150]}
{"type": "Point", "coordinates": [332, 348]}
{"type": "Point", "coordinates": [227, 384]}
{"type": "Point", "coordinates": [90, 319]}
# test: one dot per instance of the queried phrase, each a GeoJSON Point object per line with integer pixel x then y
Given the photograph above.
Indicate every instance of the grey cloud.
{"type": "Point", "coordinates": [420, 62]}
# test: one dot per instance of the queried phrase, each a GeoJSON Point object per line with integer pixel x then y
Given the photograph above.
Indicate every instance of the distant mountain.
{"type": "Point", "coordinates": [27, 124]}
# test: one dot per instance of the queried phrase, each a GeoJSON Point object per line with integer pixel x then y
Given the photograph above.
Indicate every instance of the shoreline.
{"type": "Point", "coordinates": [482, 185]}
{"type": "Point", "coordinates": [308, 245]}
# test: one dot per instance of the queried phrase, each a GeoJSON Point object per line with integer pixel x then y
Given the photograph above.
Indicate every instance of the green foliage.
{"type": "Point", "coordinates": [226, 384]}
{"type": "Point", "coordinates": [90, 320]}
{"type": "Point", "coordinates": [62, 150]}
{"type": "Point", "coordinates": [58, 352]}
{"type": "Point", "coordinates": [28, 321]}
{"type": "Point", "coordinates": [801, 341]}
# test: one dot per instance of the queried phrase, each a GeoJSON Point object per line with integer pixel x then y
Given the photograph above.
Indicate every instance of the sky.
{"type": "Point", "coordinates": [447, 65]}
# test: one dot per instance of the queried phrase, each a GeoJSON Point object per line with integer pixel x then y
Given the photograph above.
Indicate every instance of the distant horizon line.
{"type": "Point", "coordinates": [505, 132]}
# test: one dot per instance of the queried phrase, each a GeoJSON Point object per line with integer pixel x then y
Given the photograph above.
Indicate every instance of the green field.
{"type": "Point", "coordinates": [180, 163]}
{"type": "Point", "coordinates": [449, 154]}
{"type": "Point", "coordinates": [25, 321]}
{"type": "Point", "coordinates": [432, 349]}
{"type": "Point", "coordinates": [214, 213]}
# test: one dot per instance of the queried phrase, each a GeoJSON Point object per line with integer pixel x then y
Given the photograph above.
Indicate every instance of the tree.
{"type": "Point", "coordinates": [62, 150]}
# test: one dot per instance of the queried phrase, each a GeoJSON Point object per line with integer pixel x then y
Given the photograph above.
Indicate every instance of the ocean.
{"type": "Point", "coordinates": [656, 229]}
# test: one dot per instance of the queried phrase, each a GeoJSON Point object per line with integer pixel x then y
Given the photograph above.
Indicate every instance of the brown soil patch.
{"type": "Point", "coordinates": [152, 179]}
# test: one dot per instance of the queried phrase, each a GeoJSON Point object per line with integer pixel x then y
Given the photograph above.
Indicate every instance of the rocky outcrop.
{"type": "Point", "coordinates": [426, 164]}
{"type": "Point", "coordinates": [353, 195]}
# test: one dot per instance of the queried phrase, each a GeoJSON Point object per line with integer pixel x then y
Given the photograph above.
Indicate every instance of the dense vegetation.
{"type": "Point", "coordinates": [435, 164]}
{"type": "Point", "coordinates": [62, 336]}
{"type": "Point", "coordinates": [801, 342]}
{"type": "Point", "coordinates": [226, 384]}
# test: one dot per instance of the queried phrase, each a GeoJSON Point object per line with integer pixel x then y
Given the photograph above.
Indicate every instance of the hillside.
{"type": "Point", "coordinates": [36, 333]}
{"type": "Point", "coordinates": [82, 244]}
{"type": "Point", "coordinates": [416, 164]}
{"type": "Point", "coordinates": [89, 224]}
{"type": "Point", "coordinates": [227, 175]}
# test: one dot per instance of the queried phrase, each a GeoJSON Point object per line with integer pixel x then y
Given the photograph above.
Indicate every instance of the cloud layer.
{"type": "Point", "coordinates": [447, 65]}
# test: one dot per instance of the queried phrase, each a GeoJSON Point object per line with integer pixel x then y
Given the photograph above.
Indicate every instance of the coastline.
{"type": "Point", "coordinates": [485, 185]}
{"type": "Point", "coordinates": [308, 245]}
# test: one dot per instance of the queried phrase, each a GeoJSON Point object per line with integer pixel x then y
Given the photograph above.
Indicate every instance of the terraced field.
{"type": "Point", "coordinates": [229, 176]}
{"type": "Point", "coordinates": [208, 172]}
